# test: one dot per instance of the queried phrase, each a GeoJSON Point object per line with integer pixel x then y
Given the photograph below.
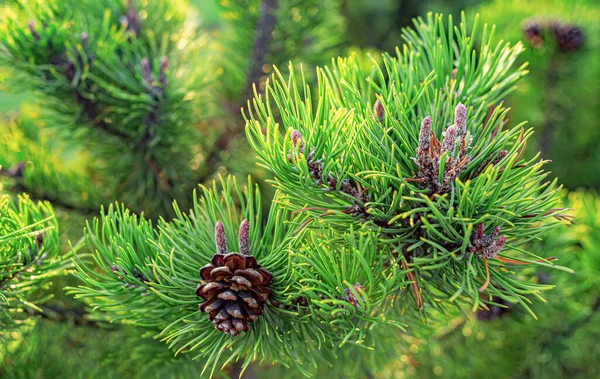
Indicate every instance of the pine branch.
{"type": "Point", "coordinates": [107, 74]}
{"type": "Point", "coordinates": [16, 173]}
{"type": "Point", "coordinates": [93, 117]}
{"type": "Point", "coordinates": [29, 257]}
{"type": "Point", "coordinates": [55, 201]}
{"type": "Point", "coordinates": [72, 316]}
{"type": "Point", "coordinates": [410, 179]}
{"type": "Point", "coordinates": [262, 38]}
{"type": "Point", "coordinates": [265, 26]}
{"type": "Point", "coordinates": [392, 180]}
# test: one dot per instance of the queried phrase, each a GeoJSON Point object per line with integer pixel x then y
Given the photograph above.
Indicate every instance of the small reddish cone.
{"type": "Point", "coordinates": [460, 120]}
{"type": "Point", "coordinates": [425, 134]}
{"type": "Point", "coordinates": [296, 137]}
{"type": "Point", "coordinates": [379, 111]}
{"type": "Point", "coordinates": [449, 139]}
{"type": "Point", "coordinates": [233, 287]}
{"type": "Point", "coordinates": [146, 71]}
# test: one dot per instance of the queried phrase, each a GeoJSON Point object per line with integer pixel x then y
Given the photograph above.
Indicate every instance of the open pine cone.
{"type": "Point", "coordinates": [234, 286]}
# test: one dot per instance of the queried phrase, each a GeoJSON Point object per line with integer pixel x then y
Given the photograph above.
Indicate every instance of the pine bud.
{"type": "Point", "coordinates": [117, 271]}
{"type": "Point", "coordinates": [351, 298]}
{"type": "Point", "coordinates": [379, 111]}
{"type": "Point", "coordinates": [499, 243]}
{"type": "Point", "coordinates": [220, 238]}
{"type": "Point", "coordinates": [533, 33]}
{"type": "Point", "coordinates": [297, 138]}
{"type": "Point", "coordinates": [146, 71]}
{"type": "Point", "coordinates": [243, 238]}
{"type": "Point", "coordinates": [425, 134]}
{"type": "Point", "coordinates": [492, 250]}
{"type": "Point", "coordinates": [34, 33]}
{"type": "Point", "coordinates": [162, 77]}
{"type": "Point", "coordinates": [85, 41]}
{"type": "Point", "coordinates": [495, 231]}
{"type": "Point", "coordinates": [460, 120]}
{"type": "Point", "coordinates": [449, 140]}
{"type": "Point", "coordinates": [331, 182]}
{"type": "Point", "coordinates": [131, 19]}
{"type": "Point", "coordinates": [568, 37]}
{"type": "Point", "coordinates": [39, 239]}
{"type": "Point", "coordinates": [17, 170]}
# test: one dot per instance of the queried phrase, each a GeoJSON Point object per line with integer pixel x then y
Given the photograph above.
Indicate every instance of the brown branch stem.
{"type": "Point", "coordinates": [265, 25]}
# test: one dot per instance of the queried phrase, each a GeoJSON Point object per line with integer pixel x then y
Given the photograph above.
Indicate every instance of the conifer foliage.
{"type": "Point", "coordinates": [28, 258]}
{"type": "Point", "coordinates": [107, 81]}
{"type": "Point", "coordinates": [400, 193]}
{"type": "Point", "coordinates": [149, 90]}
{"type": "Point", "coordinates": [561, 342]}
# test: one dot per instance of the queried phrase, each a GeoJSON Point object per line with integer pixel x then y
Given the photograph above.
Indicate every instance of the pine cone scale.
{"type": "Point", "coordinates": [254, 276]}
{"type": "Point", "coordinates": [235, 261]}
{"type": "Point", "coordinates": [228, 295]}
{"type": "Point", "coordinates": [234, 310]}
{"type": "Point", "coordinates": [239, 283]}
{"type": "Point", "coordinates": [211, 306]}
{"type": "Point", "coordinates": [219, 273]}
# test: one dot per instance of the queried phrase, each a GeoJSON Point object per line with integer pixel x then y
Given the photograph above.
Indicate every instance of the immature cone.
{"type": "Point", "coordinates": [234, 286]}
{"type": "Point", "coordinates": [568, 37]}
{"type": "Point", "coordinates": [449, 140]}
{"type": "Point", "coordinates": [460, 120]}
{"type": "Point", "coordinates": [425, 134]}
{"type": "Point", "coordinates": [379, 111]}
{"type": "Point", "coordinates": [533, 33]}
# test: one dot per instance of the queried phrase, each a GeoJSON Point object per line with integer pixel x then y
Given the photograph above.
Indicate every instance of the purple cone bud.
{"type": "Point", "coordinates": [425, 134]}
{"type": "Point", "coordinates": [379, 111]}
{"type": "Point", "coordinates": [449, 139]}
{"type": "Point", "coordinates": [84, 41]}
{"type": "Point", "coordinates": [495, 232]}
{"type": "Point", "coordinates": [532, 29]}
{"type": "Point", "coordinates": [39, 239]}
{"type": "Point", "coordinates": [243, 238]}
{"type": "Point", "coordinates": [131, 19]}
{"type": "Point", "coordinates": [17, 170]}
{"type": "Point", "coordinates": [146, 72]}
{"type": "Point", "coordinates": [297, 138]}
{"type": "Point", "coordinates": [164, 63]}
{"type": "Point", "coordinates": [116, 270]}
{"type": "Point", "coordinates": [34, 33]}
{"type": "Point", "coordinates": [460, 120]}
{"type": "Point", "coordinates": [162, 77]}
{"type": "Point", "coordinates": [533, 33]}
{"type": "Point", "coordinates": [494, 249]}
{"type": "Point", "coordinates": [220, 238]}
{"type": "Point", "coordinates": [500, 242]}
{"type": "Point", "coordinates": [568, 37]}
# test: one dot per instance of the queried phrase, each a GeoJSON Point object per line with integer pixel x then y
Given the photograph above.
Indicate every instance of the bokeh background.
{"type": "Point", "coordinates": [48, 151]}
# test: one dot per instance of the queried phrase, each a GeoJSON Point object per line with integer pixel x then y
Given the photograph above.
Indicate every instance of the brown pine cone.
{"type": "Point", "coordinates": [234, 286]}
